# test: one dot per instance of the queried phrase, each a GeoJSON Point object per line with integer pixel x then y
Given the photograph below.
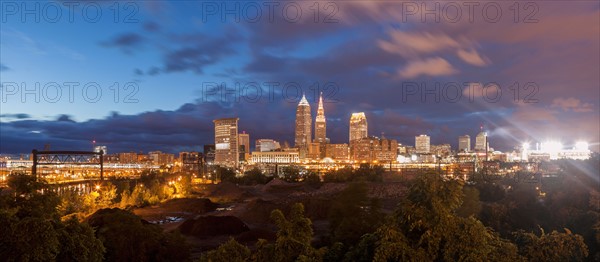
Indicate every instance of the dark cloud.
{"type": "Point", "coordinates": [4, 68]}
{"type": "Point", "coordinates": [198, 51]}
{"type": "Point", "coordinates": [151, 27]}
{"type": "Point", "coordinates": [15, 116]}
{"type": "Point", "coordinates": [127, 42]}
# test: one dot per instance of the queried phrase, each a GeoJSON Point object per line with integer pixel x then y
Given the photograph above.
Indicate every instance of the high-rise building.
{"type": "Point", "coordinates": [481, 142]}
{"type": "Point", "coordinates": [303, 127]}
{"type": "Point", "coordinates": [320, 123]}
{"type": "Point", "coordinates": [464, 143]}
{"type": "Point", "coordinates": [339, 152]}
{"type": "Point", "coordinates": [370, 149]}
{"type": "Point", "coordinates": [358, 126]}
{"type": "Point", "coordinates": [266, 145]}
{"type": "Point", "coordinates": [244, 140]}
{"type": "Point", "coordinates": [226, 142]}
{"type": "Point", "coordinates": [422, 144]}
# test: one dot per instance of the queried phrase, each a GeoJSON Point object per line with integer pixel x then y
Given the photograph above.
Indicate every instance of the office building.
{"type": "Point", "coordinates": [226, 142]}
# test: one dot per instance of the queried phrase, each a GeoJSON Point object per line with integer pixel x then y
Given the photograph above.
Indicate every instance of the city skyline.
{"type": "Point", "coordinates": [174, 71]}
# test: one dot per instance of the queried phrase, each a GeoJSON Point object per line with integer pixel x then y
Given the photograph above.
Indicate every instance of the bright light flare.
{"type": "Point", "coordinates": [582, 146]}
{"type": "Point", "coordinates": [551, 146]}
{"type": "Point", "coordinates": [525, 146]}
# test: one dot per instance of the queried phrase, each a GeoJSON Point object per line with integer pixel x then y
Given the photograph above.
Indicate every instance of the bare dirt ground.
{"type": "Point", "coordinates": [253, 206]}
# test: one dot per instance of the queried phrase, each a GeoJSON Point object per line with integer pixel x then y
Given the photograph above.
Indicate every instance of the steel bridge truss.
{"type": "Point", "coordinates": [56, 158]}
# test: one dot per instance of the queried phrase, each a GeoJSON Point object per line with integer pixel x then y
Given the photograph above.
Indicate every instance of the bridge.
{"type": "Point", "coordinates": [57, 158]}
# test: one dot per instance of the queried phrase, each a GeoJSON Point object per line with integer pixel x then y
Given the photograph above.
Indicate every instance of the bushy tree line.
{"type": "Point", "coordinates": [365, 172]}
{"type": "Point", "coordinates": [570, 200]}
{"type": "Point", "coordinates": [426, 226]}
{"type": "Point", "coordinates": [34, 228]}
{"type": "Point", "coordinates": [31, 229]}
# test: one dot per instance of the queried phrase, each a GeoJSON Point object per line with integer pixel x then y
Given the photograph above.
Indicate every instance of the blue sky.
{"type": "Point", "coordinates": [368, 53]}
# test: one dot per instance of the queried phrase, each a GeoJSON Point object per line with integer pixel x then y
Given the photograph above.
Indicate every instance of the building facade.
{"type": "Point", "coordinates": [464, 143]}
{"type": "Point", "coordinates": [481, 142]}
{"type": "Point", "coordinates": [244, 140]}
{"type": "Point", "coordinates": [303, 128]}
{"type": "Point", "coordinates": [226, 142]}
{"type": "Point", "coordinates": [358, 126]}
{"type": "Point", "coordinates": [266, 145]}
{"type": "Point", "coordinates": [320, 123]}
{"type": "Point", "coordinates": [423, 144]}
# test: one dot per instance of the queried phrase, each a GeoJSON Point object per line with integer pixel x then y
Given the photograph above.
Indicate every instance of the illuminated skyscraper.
{"type": "Point", "coordinates": [464, 143]}
{"type": "Point", "coordinates": [358, 126]}
{"type": "Point", "coordinates": [303, 126]}
{"type": "Point", "coordinates": [422, 144]}
{"type": "Point", "coordinates": [226, 142]}
{"type": "Point", "coordinates": [481, 142]}
{"type": "Point", "coordinates": [320, 123]}
{"type": "Point", "coordinates": [244, 141]}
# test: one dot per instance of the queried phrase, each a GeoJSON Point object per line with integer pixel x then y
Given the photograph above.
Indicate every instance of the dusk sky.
{"type": "Point", "coordinates": [165, 59]}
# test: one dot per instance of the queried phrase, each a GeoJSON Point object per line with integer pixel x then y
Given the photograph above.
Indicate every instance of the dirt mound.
{"type": "Point", "coordinates": [255, 234]}
{"type": "Point", "coordinates": [209, 226]}
{"type": "Point", "coordinates": [277, 185]}
{"type": "Point", "coordinates": [179, 208]}
{"type": "Point", "coordinates": [258, 211]}
{"type": "Point", "coordinates": [224, 192]}
{"type": "Point", "coordinates": [111, 216]}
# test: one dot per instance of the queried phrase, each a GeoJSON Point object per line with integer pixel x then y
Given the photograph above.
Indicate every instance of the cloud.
{"type": "Point", "coordinates": [412, 44]}
{"type": "Point", "coordinates": [572, 104]}
{"type": "Point", "coordinates": [15, 116]}
{"type": "Point", "coordinates": [430, 67]}
{"type": "Point", "coordinates": [198, 51]}
{"type": "Point", "coordinates": [4, 68]}
{"type": "Point", "coordinates": [126, 42]}
{"type": "Point", "coordinates": [472, 57]}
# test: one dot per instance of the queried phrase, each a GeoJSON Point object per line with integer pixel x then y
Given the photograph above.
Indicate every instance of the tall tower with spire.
{"type": "Point", "coordinates": [320, 123]}
{"type": "Point", "coordinates": [303, 125]}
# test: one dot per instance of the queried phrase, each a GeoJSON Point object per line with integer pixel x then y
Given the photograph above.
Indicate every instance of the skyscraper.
{"type": "Point", "coordinates": [481, 142]}
{"type": "Point", "coordinates": [303, 126]}
{"type": "Point", "coordinates": [422, 144]}
{"type": "Point", "coordinates": [320, 123]}
{"type": "Point", "coordinates": [464, 143]}
{"type": "Point", "coordinates": [358, 126]}
{"type": "Point", "coordinates": [244, 140]}
{"type": "Point", "coordinates": [226, 142]}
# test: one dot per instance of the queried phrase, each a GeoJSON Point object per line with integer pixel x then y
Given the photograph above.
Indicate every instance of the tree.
{"type": "Point", "coordinates": [294, 235]}
{"type": "Point", "coordinates": [353, 214]}
{"type": "Point", "coordinates": [425, 227]}
{"type": "Point", "coordinates": [471, 206]}
{"type": "Point", "coordinates": [231, 251]}
{"type": "Point", "coordinates": [551, 247]}
{"type": "Point", "coordinates": [78, 243]}
{"type": "Point", "coordinates": [291, 174]}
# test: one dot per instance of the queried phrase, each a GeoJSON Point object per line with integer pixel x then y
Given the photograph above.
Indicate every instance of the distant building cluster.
{"type": "Point", "coordinates": [232, 148]}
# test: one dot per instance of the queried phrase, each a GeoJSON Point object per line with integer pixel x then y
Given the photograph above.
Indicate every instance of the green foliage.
{"type": "Point", "coordinates": [253, 177]}
{"type": "Point", "coordinates": [551, 247]}
{"type": "Point", "coordinates": [313, 179]}
{"type": "Point", "coordinates": [224, 174]}
{"type": "Point", "coordinates": [231, 251]}
{"type": "Point", "coordinates": [425, 228]}
{"type": "Point", "coordinates": [353, 214]}
{"type": "Point", "coordinates": [78, 243]}
{"type": "Point", "coordinates": [291, 174]}
{"type": "Point", "coordinates": [471, 206]}
{"type": "Point", "coordinates": [30, 239]}
{"type": "Point", "coordinates": [294, 235]}
{"type": "Point", "coordinates": [365, 172]}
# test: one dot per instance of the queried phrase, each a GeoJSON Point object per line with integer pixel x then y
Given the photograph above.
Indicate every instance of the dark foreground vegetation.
{"type": "Point", "coordinates": [436, 220]}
